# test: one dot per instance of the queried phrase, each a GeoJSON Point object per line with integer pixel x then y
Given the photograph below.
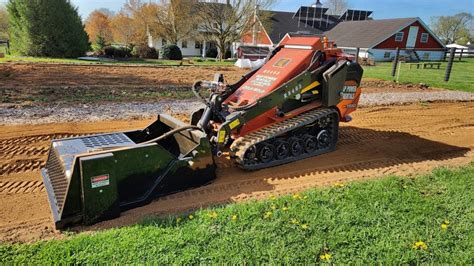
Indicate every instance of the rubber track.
{"type": "Point", "coordinates": [241, 145]}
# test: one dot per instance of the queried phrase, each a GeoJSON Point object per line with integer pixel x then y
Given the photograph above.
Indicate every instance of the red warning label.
{"type": "Point", "coordinates": [100, 181]}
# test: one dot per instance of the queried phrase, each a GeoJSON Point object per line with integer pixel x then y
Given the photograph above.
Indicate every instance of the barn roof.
{"type": "Point", "coordinates": [368, 33]}
{"type": "Point", "coordinates": [282, 23]}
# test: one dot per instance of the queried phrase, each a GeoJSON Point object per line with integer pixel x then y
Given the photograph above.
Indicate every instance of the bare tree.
{"type": "Point", "coordinates": [336, 7]}
{"type": "Point", "coordinates": [224, 23]}
{"type": "Point", "coordinates": [454, 29]}
{"type": "Point", "coordinates": [174, 20]}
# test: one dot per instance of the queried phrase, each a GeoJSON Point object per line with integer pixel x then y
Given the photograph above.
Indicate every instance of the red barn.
{"type": "Point", "coordinates": [379, 39]}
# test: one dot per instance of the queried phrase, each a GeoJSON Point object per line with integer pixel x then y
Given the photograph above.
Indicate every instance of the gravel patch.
{"type": "Point", "coordinates": [396, 98]}
{"type": "Point", "coordinates": [95, 112]}
{"type": "Point", "coordinates": [127, 111]}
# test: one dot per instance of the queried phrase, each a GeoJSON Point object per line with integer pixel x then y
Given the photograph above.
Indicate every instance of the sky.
{"type": "Point", "coordinates": [424, 9]}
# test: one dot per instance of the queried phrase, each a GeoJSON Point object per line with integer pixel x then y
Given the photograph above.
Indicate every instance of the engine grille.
{"type": "Point", "coordinates": [57, 178]}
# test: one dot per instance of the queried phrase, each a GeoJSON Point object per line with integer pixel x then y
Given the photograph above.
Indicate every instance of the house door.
{"type": "Point", "coordinates": [412, 34]}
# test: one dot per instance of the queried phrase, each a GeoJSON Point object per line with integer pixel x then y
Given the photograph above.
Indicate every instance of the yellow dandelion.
{"type": "Point", "coordinates": [420, 245]}
{"type": "Point", "coordinates": [234, 217]}
{"type": "Point", "coordinates": [339, 184]}
{"type": "Point", "coordinates": [296, 196]}
{"type": "Point", "coordinates": [325, 256]}
{"type": "Point", "coordinates": [191, 217]}
{"type": "Point", "coordinates": [272, 197]}
{"type": "Point", "coordinates": [304, 226]}
{"type": "Point", "coordinates": [294, 221]}
{"type": "Point", "coordinates": [444, 226]}
{"type": "Point", "coordinates": [273, 207]}
{"type": "Point", "coordinates": [212, 215]}
{"type": "Point", "coordinates": [446, 222]}
{"type": "Point", "coordinates": [267, 215]}
{"type": "Point", "coordinates": [284, 208]}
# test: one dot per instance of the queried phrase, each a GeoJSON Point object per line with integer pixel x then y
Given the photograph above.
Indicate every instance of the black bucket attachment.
{"type": "Point", "coordinates": [93, 178]}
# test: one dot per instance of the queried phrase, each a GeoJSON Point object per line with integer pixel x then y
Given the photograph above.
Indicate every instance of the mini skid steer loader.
{"type": "Point", "coordinates": [286, 110]}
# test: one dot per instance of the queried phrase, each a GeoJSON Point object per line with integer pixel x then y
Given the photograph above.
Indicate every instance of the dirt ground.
{"type": "Point", "coordinates": [42, 84]}
{"type": "Point", "coordinates": [401, 140]}
{"type": "Point", "coordinates": [51, 75]}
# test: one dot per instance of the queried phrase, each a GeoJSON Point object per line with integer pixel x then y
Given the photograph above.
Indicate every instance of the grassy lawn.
{"type": "Point", "coordinates": [393, 220]}
{"type": "Point", "coordinates": [190, 62]}
{"type": "Point", "coordinates": [462, 76]}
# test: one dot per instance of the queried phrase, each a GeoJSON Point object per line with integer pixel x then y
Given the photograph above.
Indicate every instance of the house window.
{"type": "Point", "coordinates": [387, 55]}
{"type": "Point", "coordinates": [198, 45]}
{"type": "Point", "coordinates": [164, 42]}
{"type": "Point", "coordinates": [184, 44]}
{"type": "Point", "coordinates": [399, 37]}
{"type": "Point", "coordinates": [424, 37]}
{"type": "Point", "coordinates": [426, 56]}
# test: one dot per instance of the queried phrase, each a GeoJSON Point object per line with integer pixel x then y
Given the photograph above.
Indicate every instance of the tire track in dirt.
{"type": "Point", "coordinates": [21, 166]}
{"type": "Point", "coordinates": [12, 151]}
{"type": "Point", "coordinates": [21, 187]}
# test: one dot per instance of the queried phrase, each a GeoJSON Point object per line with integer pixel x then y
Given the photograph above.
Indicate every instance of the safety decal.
{"type": "Point", "coordinates": [100, 181]}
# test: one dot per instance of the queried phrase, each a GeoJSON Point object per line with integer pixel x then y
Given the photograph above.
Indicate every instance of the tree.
{"type": "Point", "coordinates": [174, 20]}
{"type": "Point", "coordinates": [3, 23]}
{"type": "Point", "coordinates": [51, 28]}
{"type": "Point", "coordinates": [122, 28]}
{"type": "Point", "coordinates": [225, 23]}
{"type": "Point", "coordinates": [454, 29]}
{"type": "Point", "coordinates": [98, 27]}
{"type": "Point", "coordinates": [142, 16]}
{"type": "Point", "coordinates": [336, 7]}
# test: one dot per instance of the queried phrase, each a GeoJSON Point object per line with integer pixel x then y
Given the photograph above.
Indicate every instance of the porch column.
{"type": "Point", "coordinates": [204, 49]}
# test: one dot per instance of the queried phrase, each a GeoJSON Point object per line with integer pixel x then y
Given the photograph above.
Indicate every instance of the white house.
{"type": "Point", "coordinates": [189, 47]}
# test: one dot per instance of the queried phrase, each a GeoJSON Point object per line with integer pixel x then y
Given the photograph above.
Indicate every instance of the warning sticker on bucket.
{"type": "Point", "coordinates": [100, 181]}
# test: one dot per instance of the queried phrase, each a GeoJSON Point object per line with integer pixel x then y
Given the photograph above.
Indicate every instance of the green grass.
{"type": "Point", "coordinates": [358, 223]}
{"type": "Point", "coordinates": [191, 62]}
{"type": "Point", "coordinates": [462, 75]}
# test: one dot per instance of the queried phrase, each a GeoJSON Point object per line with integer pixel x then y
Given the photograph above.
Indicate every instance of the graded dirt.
{"type": "Point", "coordinates": [395, 140]}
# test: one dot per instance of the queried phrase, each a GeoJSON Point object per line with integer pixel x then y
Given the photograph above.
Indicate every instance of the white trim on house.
{"type": "Point", "coordinates": [399, 36]}
{"type": "Point", "coordinates": [424, 40]}
{"type": "Point", "coordinates": [412, 36]}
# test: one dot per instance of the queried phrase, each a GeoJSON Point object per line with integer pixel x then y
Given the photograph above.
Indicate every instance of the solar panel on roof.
{"type": "Point", "coordinates": [356, 15]}
{"type": "Point", "coordinates": [307, 10]}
